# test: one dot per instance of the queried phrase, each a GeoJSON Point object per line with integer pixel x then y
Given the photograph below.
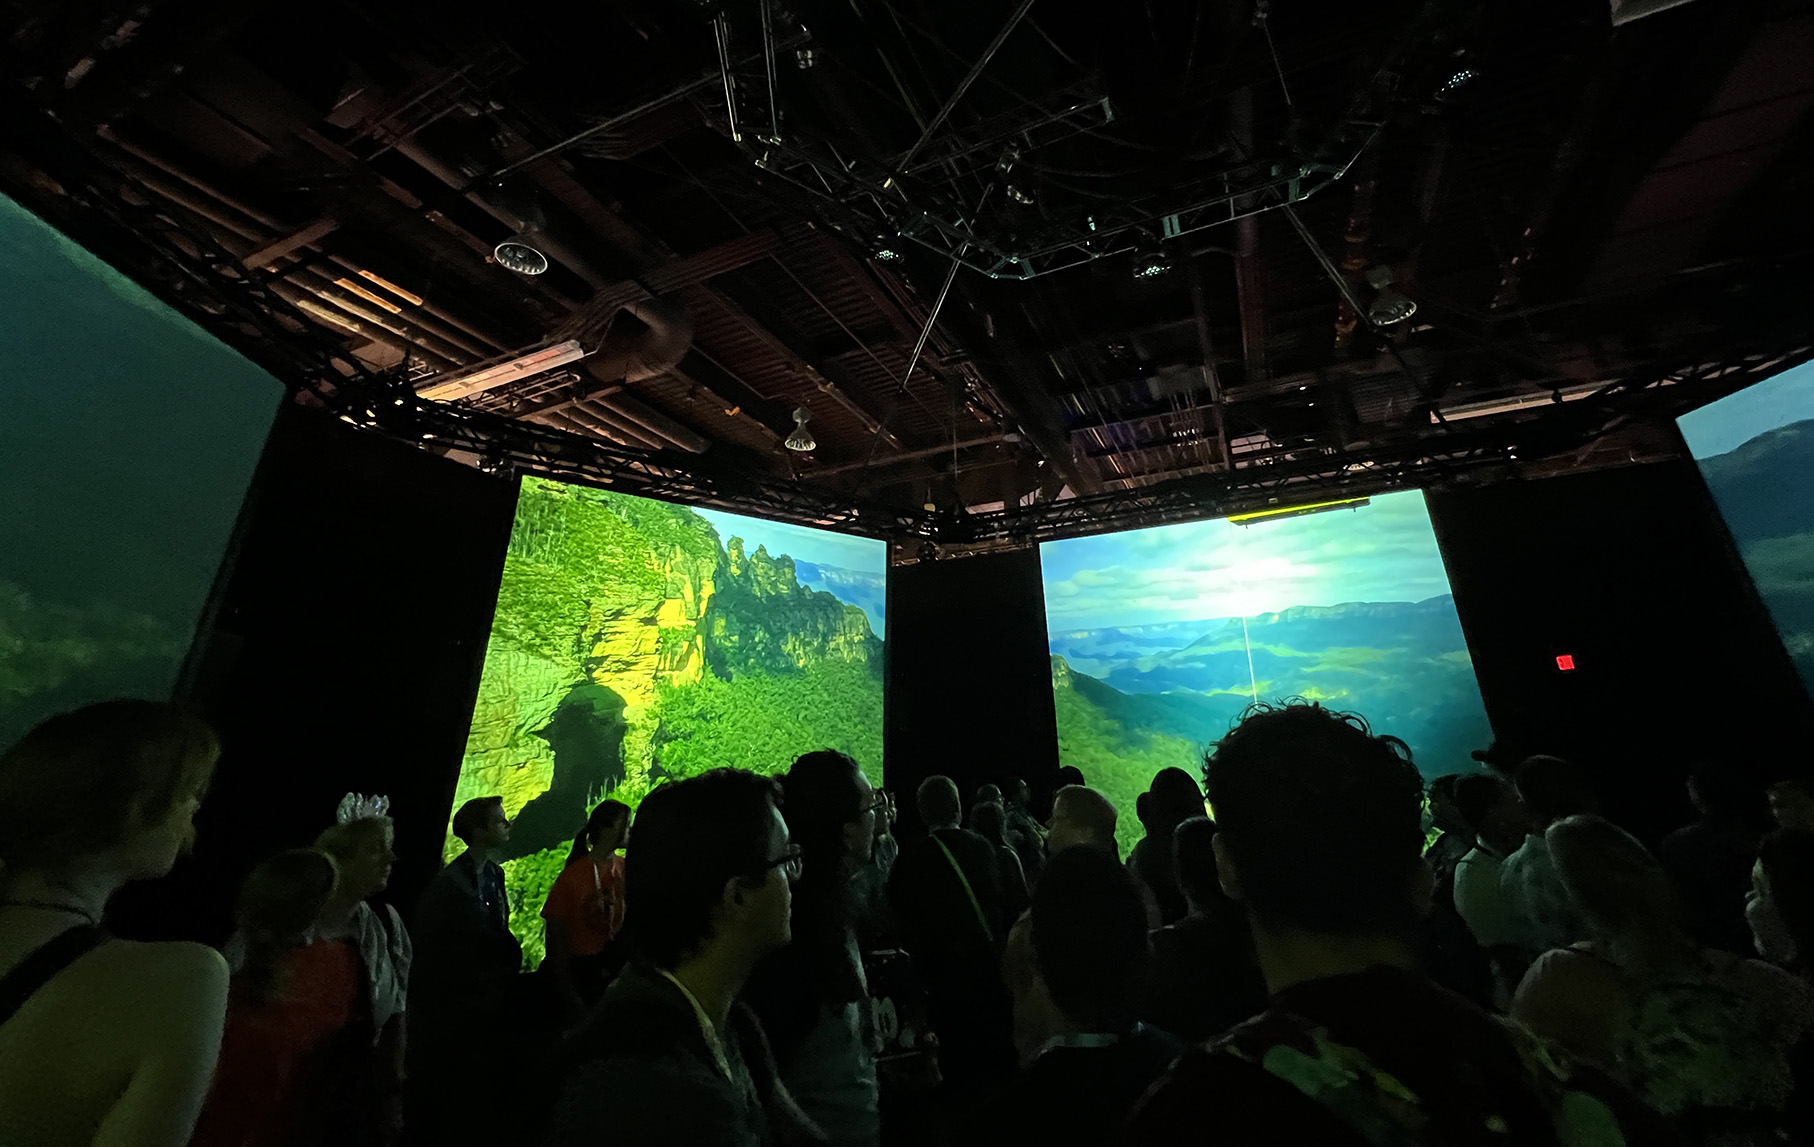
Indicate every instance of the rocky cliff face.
{"type": "Point", "coordinates": [627, 594]}
{"type": "Point", "coordinates": [763, 620]}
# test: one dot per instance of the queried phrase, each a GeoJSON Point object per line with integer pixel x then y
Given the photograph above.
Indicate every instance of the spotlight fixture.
{"type": "Point", "coordinates": [1152, 264]}
{"type": "Point", "coordinates": [1391, 306]}
{"type": "Point", "coordinates": [519, 253]}
{"type": "Point", "coordinates": [801, 440]}
{"type": "Point", "coordinates": [885, 252]}
{"type": "Point", "coordinates": [1021, 197]}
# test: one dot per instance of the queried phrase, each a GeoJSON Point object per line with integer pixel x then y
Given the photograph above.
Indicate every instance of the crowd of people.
{"type": "Point", "coordinates": [751, 960]}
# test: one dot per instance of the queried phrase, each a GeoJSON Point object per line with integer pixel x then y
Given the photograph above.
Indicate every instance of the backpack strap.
{"type": "Point", "coordinates": [981, 918]}
{"type": "Point", "coordinates": [42, 965]}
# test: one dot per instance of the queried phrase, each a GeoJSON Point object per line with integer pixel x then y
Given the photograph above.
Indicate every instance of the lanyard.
{"type": "Point", "coordinates": [712, 1042]}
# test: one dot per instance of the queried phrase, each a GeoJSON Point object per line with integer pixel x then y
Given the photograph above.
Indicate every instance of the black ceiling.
{"type": "Point", "coordinates": [1598, 227]}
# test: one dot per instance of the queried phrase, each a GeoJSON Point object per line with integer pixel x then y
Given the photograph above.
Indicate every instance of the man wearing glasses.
{"type": "Point", "coordinates": [671, 1055]}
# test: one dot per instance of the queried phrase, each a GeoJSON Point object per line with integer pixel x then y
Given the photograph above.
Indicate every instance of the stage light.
{"type": "Point", "coordinates": [801, 440]}
{"type": "Point", "coordinates": [518, 254]}
{"type": "Point", "coordinates": [491, 377]}
{"type": "Point", "coordinates": [1151, 264]}
{"type": "Point", "coordinates": [1021, 197]}
{"type": "Point", "coordinates": [1565, 662]}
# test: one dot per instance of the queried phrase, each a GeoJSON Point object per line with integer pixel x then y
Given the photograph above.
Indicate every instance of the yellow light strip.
{"type": "Point", "coordinates": [409, 296]}
{"type": "Point", "coordinates": [1289, 511]}
{"type": "Point", "coordinates": [368, 296]}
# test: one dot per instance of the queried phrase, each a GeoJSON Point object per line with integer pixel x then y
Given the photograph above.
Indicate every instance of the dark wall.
{"type": "Point", "coordinates": [969, 679]}
{"type": "Point", "coordinates": [345, 655]}
{"type": "Point", "coordinates": [1631, 572]}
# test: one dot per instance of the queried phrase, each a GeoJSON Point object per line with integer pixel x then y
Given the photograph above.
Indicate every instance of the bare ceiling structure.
{"type": "Point", "coordinates": [1018, 270]}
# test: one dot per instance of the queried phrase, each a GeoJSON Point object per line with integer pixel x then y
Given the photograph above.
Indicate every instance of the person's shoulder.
{"type": "Point", "coordinates": [1252, 1105]}
{"type": "Point", "coordinates": [169, 983]}
{"type": "Point", "coordinates": [163, 962]}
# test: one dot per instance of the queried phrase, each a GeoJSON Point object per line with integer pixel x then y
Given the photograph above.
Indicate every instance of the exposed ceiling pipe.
{"type": "Point", "coordinates": [555, 249]}
{"type": "Point", "coordinates": [654, 421]}
{"type": "Point", "coordinates": [206, 188]}
{"type": "Point", "coordinates": [563, 420]}
{"type": "Point", "coordinates": [1249, 288]}
{"type": "Point", "coordinates": [589, 412]}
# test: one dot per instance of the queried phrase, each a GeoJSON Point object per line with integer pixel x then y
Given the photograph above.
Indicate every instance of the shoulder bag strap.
{"type": "Point", "coordinates": [37, 969]}
{"type": "Point", "coordinates": [988, 932]}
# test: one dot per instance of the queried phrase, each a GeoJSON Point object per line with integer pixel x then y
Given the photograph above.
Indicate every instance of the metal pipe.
{"type": "Point", "coordinates": [557, 250]}
{"type": "Point", "coordinates": [976, 70]}
{"type": "Point", "coordinates": [768, 62]}
{"type": "Point", "coordinates": [653, 421]}
{"type": "Point", "coordinates": [1211, 380]}
{"type": "Point", "coordinates": [250, 212]}
{"type": "Point", "coordinates": [605, 125]}
{"type": "Point", "coordinates": [721, 32]}
{"type": "Point", "coordinates": [426, 342]}
{"type": "Point", "coordinates": [586, 412]}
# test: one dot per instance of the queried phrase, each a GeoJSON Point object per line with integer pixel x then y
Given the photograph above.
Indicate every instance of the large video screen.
{"type": "Point", "coordinates": [1756, 452]}
{"type": "Point", "coordinates": [1161, 638]}
{"type": "Point", "coordinates": [128, 437]}
{"type": "Point", "coordinates": [637, 641]}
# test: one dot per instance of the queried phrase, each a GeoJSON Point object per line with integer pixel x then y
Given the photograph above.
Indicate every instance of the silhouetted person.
{"type": "Point", "coordinates": [1025, 832]}
{"type": "Point", "coordinates": [812, 995]}
{"type": "Point", "coordinates": [945, 891]}
{"type": "Point", "coordinates": [1205, 978]}
{"type": "Point", "coordinates": [1320, 835]}
{"type": "Point", "coordinates": [1091, 1058]}
{"type": "Point", "coordinates": [1780, 906]}
{"type": "Point", "coordinates": [1455, 838]}
{"type": "Point", "coordinates": [1706, 1037]}
{"type": "Point", "coordinates": [361, 841]}
{"type": "Point", "coordinates": [1169, 800]}
{"type": "Point", "coordinates": [986, 794]}
{"type": "Point", "coordinates": [1542, 915]}
{"type": "Point", "coordinates": [1710, 860]}
{"type": "Point", "coordinates": [1792, 803]}
{"type": "Point", "coordinates": [296, 1068]}
{"type": "Point", "coordinates": [991, 823]}
{"type": "Point", "coordinates": [467, 1006]}
{"type": "Point", "coordinates": [1492, 811]}
{"type": "Point", "coordinates": [671, 1055]}
{"type": "Point", "coordinates": [101, 1039]}
{"type": "Point", "coordinates": [1071, 775]}
{"type": "Point", "coordinates": [1080, 816]}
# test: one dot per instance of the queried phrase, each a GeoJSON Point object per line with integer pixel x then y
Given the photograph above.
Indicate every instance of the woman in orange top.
{"type": "Point", "coordinates": [585, 908]}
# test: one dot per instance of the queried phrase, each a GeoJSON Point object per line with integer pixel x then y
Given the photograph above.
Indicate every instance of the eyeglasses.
{"type": "Point", "coordinates": [880, 800]}
{"type": "Point", "coordinates": [791, 863]}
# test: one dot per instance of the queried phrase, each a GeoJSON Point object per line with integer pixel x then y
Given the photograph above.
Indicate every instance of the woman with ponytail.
{"type": "Point", "coordinates": [295, 1064]}
{"type": "Point", "coordinates": [585, 909]}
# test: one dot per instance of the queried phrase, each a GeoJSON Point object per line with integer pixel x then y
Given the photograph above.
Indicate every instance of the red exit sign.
{"type": "Point", "coordinates": [1565, 662]}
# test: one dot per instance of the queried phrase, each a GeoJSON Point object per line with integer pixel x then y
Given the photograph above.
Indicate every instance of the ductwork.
{"type": "Point", "coordinates": [651, 344]}
{"type": "Point", "coordinates": [647, 338]}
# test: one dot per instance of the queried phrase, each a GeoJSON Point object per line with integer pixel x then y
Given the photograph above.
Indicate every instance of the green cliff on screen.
{"type": "Point", "coordinates": [632, 644]}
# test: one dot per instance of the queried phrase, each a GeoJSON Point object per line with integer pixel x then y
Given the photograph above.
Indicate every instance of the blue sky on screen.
{"type": "Point", "coordinates": [803, 544]}
{"type": "Point", "coordinates": [1738, 418]}
{"type": "Point", "coordinates": [1384, 551]}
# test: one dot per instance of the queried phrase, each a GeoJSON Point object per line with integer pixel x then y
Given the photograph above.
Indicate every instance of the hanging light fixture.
{"type": "Point", "coordinates": [801, 440]}
{"type": "Point", "coordinates": [1391, 306]}
{"type": "Point", "coordinates": [520, 254]}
